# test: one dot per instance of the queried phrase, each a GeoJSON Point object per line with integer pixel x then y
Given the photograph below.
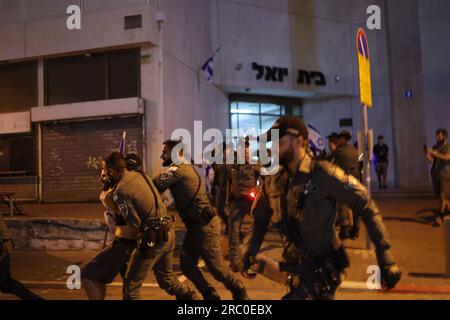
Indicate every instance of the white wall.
{"type": "Point", "coordinates": [44, 30]}
{"type": "Point", "coordinates": [187, 45]}
{"type": "Point", "coordinates": [434, 28]}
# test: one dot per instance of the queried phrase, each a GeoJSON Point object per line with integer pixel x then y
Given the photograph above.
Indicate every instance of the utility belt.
{"type": "Point", "coordinates": [200, 219]}
{"type": "Point", "coordinates": [125, 232]}
{"type": "Point", "coordinates": [153, 233]}
{"type": "Point", "coordinates": [248, 196]}
{"type": "Point", "coordinates": [317, 276]}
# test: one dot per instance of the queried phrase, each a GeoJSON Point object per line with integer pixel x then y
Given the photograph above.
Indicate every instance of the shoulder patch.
{"type": "Point", "coordinates": [123, 209]}
{"type": "Point", "coordinates": [168, 173]}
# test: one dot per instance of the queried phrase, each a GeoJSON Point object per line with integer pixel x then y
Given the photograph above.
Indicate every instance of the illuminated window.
{"type": "Point", "coordinates": [253, 117]}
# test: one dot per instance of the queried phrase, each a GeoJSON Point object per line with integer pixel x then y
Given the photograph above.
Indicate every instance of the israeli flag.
{"type": "Point", "coordinates": [208, 66]}
{"type": "Point", "coordinates": [208, 69]}
{"type": "Point", "coordinates": [315, 139]}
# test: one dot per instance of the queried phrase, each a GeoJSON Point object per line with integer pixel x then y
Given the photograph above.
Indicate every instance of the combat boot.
{"type": "Point", "coordinates": [189, 295]}
{"type": "Point", "coordinates": [239, 292]}
{"type": "Point", "coordinates": [236, 267]}
{"type": "Point", "coordinates": [211, 295]}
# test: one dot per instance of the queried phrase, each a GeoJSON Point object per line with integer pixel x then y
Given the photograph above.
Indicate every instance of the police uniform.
{"type": "Point", "coordinates": [7, 283]}
{"type": "Point", "coordinates": [138, 203]}
{"type": "Point", "coordinates": [346, 157]}
{"type": "Point", "coordinates": [304, 208]}
{"type": "Point", "coordinates": [242, 181]}
{"type": "Point", "coordinates": [203, 230]}
{"type": "Point", "coordinates": [220, 183]}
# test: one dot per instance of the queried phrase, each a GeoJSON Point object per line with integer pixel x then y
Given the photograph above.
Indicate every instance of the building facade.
{"type": "Point", "coordinates": [66, 95]}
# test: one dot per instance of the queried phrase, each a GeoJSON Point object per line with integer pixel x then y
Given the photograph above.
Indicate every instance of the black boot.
{"type": "Point", "coordinates": [236, 267]}
{"type": "Point", "coordinates": [211, 295]}
{"type": "Point", "coordinates": [189, 295]}
{"type": "Point", "coordinates": [345, 232]}
{"type": "Point", "coordinates": [239, 292]}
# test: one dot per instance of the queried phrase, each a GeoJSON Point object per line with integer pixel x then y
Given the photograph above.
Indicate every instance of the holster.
{"type": "Point", "coordinates": [202, 219]}
{"type": "Point", "coordinates": [319, 276]}
{"type": "Point", "coordinates": [154, 233]}
{"type": "Point", "coordinates": [208, 213]}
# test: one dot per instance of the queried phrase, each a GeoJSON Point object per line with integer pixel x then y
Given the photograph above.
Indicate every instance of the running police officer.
{"type": "Point", "coordinates": [135, 199]}
{"type": "Point", "coordinates": [220, 184]}
{"type": "Point", "coordinates": [346, 157]}
{"type": "Point", "coordinates": [7, 283]}
{"type": "Point", "coordinates": [302, 195]}
{"type": "Point", "coordinates": [241, 191]}
{"type": "Point", "coordinates": [202, 222]}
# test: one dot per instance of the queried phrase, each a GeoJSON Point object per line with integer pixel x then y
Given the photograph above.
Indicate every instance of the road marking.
{"type": "Point", "coordinates": [181, 278]}
{"type": "Point", "coordinates": [400, 288]}
{"type": "Point", "coordinates": [345, 286]}
{"type": "Point", "coordinates": [64, 284]}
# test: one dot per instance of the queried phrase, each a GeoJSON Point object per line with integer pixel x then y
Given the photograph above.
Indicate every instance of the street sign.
{"type": "Point", "coordinates": [365, 138]}
{"type": "Point", "coordinates": [365, 83]}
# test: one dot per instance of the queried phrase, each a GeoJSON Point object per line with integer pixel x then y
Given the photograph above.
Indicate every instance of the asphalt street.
{"type": "Point", "coordinates": [418, 248]}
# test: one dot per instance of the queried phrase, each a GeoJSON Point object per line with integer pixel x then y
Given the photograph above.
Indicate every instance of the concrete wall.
{"type": "Point", "coordinates": [434, 30]}
{"type": "Point", "coordinates": [253, 31]}
{"type": "Point", "coordinates": [187, 45]}
{"type": "Point", "coordinates": [324, 35]}
{"type": "Point", "coordinates": [39, 28]}
{"type": "Point", "coordinates": [406, 74]}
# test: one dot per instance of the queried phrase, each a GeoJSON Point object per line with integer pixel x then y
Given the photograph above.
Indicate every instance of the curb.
{"type": "Point", "coordinates": [59, 234]}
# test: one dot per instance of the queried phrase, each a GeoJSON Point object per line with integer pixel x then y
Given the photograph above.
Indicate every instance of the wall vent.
{"type": "Point", "coordinates": [133, 22]}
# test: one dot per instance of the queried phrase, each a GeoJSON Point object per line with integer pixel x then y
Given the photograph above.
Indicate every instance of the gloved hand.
{"type": "Point", "coordinates": [390, 276]}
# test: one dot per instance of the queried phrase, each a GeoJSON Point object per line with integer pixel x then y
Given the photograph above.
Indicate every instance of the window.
{"type": "Point", "coordinates": [123, 74]}
{"type": "Point", "coordinates": [17, 155]}
{"type": "Point", "coordinates": [254, 117]}
{"type": "Point", "coordinates": [96, 76]}
{"type": "Point", "coordinates": [18, 87]}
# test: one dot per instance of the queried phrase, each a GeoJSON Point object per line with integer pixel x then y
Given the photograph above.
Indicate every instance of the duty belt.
{"type": "Point", "coordinates": [318, 276]}
{"type": "Point", "coordinates": [157, 222]}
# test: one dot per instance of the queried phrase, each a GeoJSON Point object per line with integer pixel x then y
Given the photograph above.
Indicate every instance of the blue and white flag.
{"type": "Point", "coordinates": [122, 143]}
{"type": "Point", "coordinates": [208, 66]}
{"type": "Point", "coordinates": [315, 139]}
{"type": "Point", "coordinates": [208, 69]}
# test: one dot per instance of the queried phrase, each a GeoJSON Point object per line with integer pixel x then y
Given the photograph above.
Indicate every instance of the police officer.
{"type": "Point", "coordinates": [242, 189]}
{"type": "Point", "coordinates": [302, 195]}
{"type": "Point", "coordinates": [135, 199]}
{"type": "Point", "coordinates": [219, 184]}
{"type": "Point", "coordinates": [7, 283]}
{"type": "Point", "coordinates": [332, 144]}
{"type": "Point", "coordinates": [202, 222]}
{"type": "Point", "coordinates": [346, 157]}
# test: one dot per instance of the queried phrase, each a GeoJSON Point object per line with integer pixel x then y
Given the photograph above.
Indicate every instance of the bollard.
{"type": "Point", "coordinates": [447, 244]}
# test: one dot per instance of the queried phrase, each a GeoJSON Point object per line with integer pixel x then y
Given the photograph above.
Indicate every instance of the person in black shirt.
{"type": "Point", "coordinates": [381, 152]}
{"type": "Point", "coordinates": [439, 155]}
